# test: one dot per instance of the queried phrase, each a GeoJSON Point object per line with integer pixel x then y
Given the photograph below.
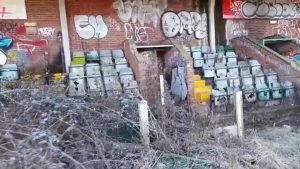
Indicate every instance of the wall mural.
{"type": "Point", "coordinates": [28, 51]}
{"type": "Point", "coordinates": [235, 9]}
{"type": "Point", "coordinates": [190, 22]}
{"type": "Point", "coordinates": [141, 11]}
{"type": "Point", "coordinates": [88, 27]}
{"type": "Point", "coordinates": [12, 9]}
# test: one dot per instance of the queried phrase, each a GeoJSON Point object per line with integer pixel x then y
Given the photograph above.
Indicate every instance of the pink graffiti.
{"type": "Point", "coordinates": [30, 45]}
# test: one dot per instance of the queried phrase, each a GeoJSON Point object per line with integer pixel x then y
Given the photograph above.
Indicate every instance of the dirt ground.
{"type": "Point", "coordinates": [41, 128]}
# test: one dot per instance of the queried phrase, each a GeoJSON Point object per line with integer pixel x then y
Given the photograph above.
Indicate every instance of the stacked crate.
{"type": "Point", "coordinates": [106, 72]}
{"type": "Point", "coordinates": [230, 76]}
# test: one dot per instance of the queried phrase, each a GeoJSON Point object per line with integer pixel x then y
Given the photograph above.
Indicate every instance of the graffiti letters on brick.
{"type": "Point", "coordinates": [190, 22]}
{"type": "Point", "coordinates": [261, 9]}
{"type": "Point", "coordinates": [113, 24]}
{"type": "Point", "coordinates": [287, 28]}
{"type": "Point", "coordinates": [46, 31]}
{"type": "Point", "coordinates": [142, 11]}
{"type": "Point", "coordinates": [88, 27]}
{"type": "Point", "coordinates": [235, 29]}
{"type": "Point", "coordinates": [136, 32]}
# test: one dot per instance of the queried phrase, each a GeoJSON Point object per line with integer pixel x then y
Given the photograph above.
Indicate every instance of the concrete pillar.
{"type": "Point", "coordinates": [65, 33]}
{"type": "Point", "coordinates": [239, 113]}
{"type": "Point", "coordinates": [144, 122]}
{"type": "Point", "coordinates": [212, 29]}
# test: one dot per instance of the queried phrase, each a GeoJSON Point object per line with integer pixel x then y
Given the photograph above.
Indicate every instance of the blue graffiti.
{"type": "Point", "coordinates": [6, 43]}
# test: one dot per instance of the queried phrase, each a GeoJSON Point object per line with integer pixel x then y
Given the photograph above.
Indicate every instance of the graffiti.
{"type": "Point", "coordinates": [260, 9]}
{"type": "Point", "coordinates": [13, 9]}
{"type": "Point", "coordinates": [236, 7]}
{"type": "Point", "coordinates": [5, 43]}
{"type": "Point", "coordinates": [3, 58]}
{"type": "Point", "coordinates": [8, 27]}
{"type": "Point", "coordinates": [287, 28]}
{"type": "Point", "coordinates": [46, 31]}
{"type": "Point", "coordinates": [113, 24]}
{"type": "Point", "coordinates": [235, 29]}
{"type": "Point", "coordinates": [142, 11]}
{"type": "Point", "coordinates": [190, 22]}
{"type": "Point", "coordinates": [137, 32]}
{"type": "Point", "coordinates": [30, 45]}
{"type": "Point", "coordinates": [89, 27]}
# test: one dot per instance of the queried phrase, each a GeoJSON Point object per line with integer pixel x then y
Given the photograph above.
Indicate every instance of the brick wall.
{"type": "Point", "coordinates": [116, 33]}
{"type": "Point", "coordinates": [31, 57]}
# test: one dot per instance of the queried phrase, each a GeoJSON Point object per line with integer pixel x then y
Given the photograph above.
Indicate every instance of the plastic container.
{"type": "Point", "coordinates": [120, 63]}
{"type": "Point", "coordinates": [255, 66]}
{"type": "Point", "coordinates": [220, 97]}
{"type": "Point", "coordinates": [92, 69]}
{"type": "Point", "coordinates": [203, 93]}
{"type": "Point", "coordinates": [249, 93]}
{"type": "Point", "coordinates": [244, 68]}
{"type": "Point", "coordinates": [289, 89]}
{"type": "Point", "coordinates": [198, 63]}
{"type": "Point", "coordinates": [276, 91]}
{"type": "Point", "coordinates": [94, 83]}
{"type": "Point", "coordinates": [118, 53]}
{"type": "Point", "coordinates": [9, 72]}
{"type": "Point", "coordinates": [76, 70]}
{"type": "Point", "coordinates": [126, 74]}
{"type": "Point", "coordinates": [221, 83]}
{"type": "Point", "coordinates": [93, 56]}
{"type": "Point", "coordinates": [263, 92]}
{"type": "Point", "coordinates": [221, 70]}
{"type": "Point", "coordinates": [76, 86]}
{"type": "Point", "coordinates": [209, 70]}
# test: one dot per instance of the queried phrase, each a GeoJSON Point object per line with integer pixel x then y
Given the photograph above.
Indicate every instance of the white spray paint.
{"type": "Point", "coordinates": [89, 27]}
{"type": "Point", "coordinates": [142, 11]}
{"type": "Point", "coordinates": [235, 29]}
{"type": "Point", "coordinates": [137, 32]}
{"type": "Point", "coordinates": [46, 31]}
{"type": "Point", "coordinates": [189, 22]}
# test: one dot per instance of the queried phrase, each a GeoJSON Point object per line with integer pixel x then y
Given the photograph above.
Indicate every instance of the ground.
{"type": "Point", "coordinates": [42, 128]}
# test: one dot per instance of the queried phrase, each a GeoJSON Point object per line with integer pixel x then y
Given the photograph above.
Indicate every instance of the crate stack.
{"type": "Point", "coordinates": [105, 72]}
{"type": "Point", "coordinates": [230, 75]}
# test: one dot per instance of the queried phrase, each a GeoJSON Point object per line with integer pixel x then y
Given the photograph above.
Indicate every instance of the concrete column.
{"type": "Point", "coordinates": [144, 122]}
{"type": "Point", "coordinates": [212, 29]}
{"type": "Point", "coordinates": [65, 33]}
{"type": "Point", "coordinates": [239, 113]}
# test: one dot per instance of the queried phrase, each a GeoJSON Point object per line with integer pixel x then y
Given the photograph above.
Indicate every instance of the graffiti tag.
{"type": "Point", "coordinates": [46, 31]}
{"type": "Point", "coordinates": [136, 32]}
{"type": "Point", "coordinates": [190, 22]}
{"type": "Point", "coordinates": [141, 11]}
{"type": "Point", "coordinates": [89, 27]}
{"type": "Point", "coordinates": [288, 28]}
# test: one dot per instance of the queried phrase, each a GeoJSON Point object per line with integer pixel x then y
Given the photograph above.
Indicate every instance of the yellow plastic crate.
{"type": "Point", "coordinates": [199, 83]}
{"type": "Point", "coordinates": [196, 77]}
{"type": "Point", "coordinates": [57, 76]}
{"type": "Point", "coordinates": [78, 60]}
{"type": "Point", "coordinates": [37, 77]}
{"type": "Point", "coordinates": [203, 93]}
